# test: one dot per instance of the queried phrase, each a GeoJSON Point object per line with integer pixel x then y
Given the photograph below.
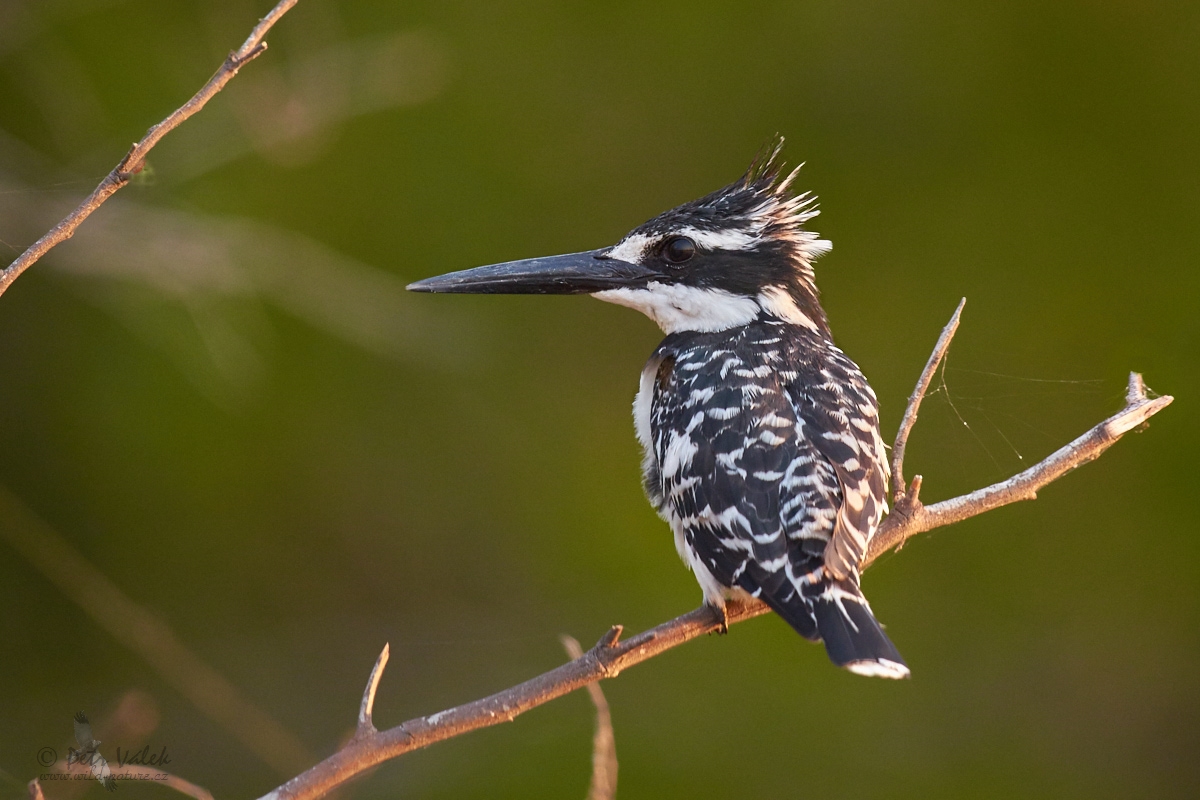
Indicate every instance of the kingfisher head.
{"type": "Point", "coordinates": [724, 260]}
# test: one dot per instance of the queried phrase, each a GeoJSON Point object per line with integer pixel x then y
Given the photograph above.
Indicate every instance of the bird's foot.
{"type": "Point", "coordinates": [723, 613]}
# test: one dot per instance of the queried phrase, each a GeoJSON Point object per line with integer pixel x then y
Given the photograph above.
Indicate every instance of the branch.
{"type": "Point", "coordinates": [610, 655]}
{"type": "Point", "coordinates": [914, 404]}
{"type": "Point", "coordinates": [606, 660]}
{"type": "Point", "coordinates": [604, 743]}
{"type": "Point", "coordinates": [135, 159]}
{"type": "Point", "coordinates": [910, 517]}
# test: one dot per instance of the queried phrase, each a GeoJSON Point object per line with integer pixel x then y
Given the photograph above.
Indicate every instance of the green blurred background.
{"type": "Point", "coordinates": [219, 395]}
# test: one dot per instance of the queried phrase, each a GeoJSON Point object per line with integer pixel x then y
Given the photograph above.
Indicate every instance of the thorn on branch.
{"type": "Point", "coordinates": [913, 498]}
{"type": "Point", "coordinates": [235, 62]}
{"type": "Point", "coordinates": [366, 727]}
{"type": "Point", "coordinates": [907, 504]}
{"type": "Point", "coordinates": [611, 637]}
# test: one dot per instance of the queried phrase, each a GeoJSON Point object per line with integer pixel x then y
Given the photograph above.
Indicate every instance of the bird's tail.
{"type": "Point", "coordinates": [853, 638]}
{"type": "Point", "coordinates": [836, 612]}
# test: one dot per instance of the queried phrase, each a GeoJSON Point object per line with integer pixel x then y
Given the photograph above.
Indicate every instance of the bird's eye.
{"type": "Point", "coordinates": [678, 249]}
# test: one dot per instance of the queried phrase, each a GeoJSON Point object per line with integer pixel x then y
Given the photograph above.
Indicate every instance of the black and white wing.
{"type": "Point", "coordinates": [88, 754]}
{"type": "Point", "coordinates": [102, 772]}
{"type": "Point", "coordinates": [83, 731]}
{"type": "Point", "coordinates": [840, 417]}
{"type": "Point", "coordinates": [723, 449]}
{"type": "Point", "coordinates": [755, 492]}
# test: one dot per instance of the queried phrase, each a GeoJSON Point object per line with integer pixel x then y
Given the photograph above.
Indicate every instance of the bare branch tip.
{"type": "Point", "coordinates": [913, 498]}
{"type": "Point", "coordinates": [258, 50]}
{"type": "Point", "coordinates": [1136, 392]}
{"type": "Point", "coordinates": [366, 726]}
{"type": "Point", "coordinates": [612, 636]}
{"type": "Point", "coordinates": [236, 59]}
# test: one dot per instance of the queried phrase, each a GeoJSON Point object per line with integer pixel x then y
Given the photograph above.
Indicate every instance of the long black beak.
{"type": "Point", "coordinates": [574, 273]}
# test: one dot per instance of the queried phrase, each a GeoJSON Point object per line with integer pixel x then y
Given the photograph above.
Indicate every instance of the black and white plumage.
{"type": "Point", "coordinates": [89, 754]}
{"type": "Point", "coordinates": [761, 438]}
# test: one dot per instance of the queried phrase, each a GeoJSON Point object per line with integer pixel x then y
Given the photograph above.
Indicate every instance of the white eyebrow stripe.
{"type": "Point", "coordinates": [632, 248]}
{"type": "Point", "coordinates": [721, 240]}
{"type": "Point", "coordinates": [636, 247]}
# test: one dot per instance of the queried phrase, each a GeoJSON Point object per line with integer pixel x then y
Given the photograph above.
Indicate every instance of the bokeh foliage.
{"type": "Point", "coordinates": [292, 482]}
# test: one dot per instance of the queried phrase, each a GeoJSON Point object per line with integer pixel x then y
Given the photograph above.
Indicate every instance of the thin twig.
{"type": "Point", "coordinates": [916, 518]}
{"type": "Point", "coordinates": [604, 742]}
{"type": "Point", "coordinates": [606, 660]}
{"type": "Point", "coordinates": [899, 487]}
{"type": "Point", "coordinates": [366, 727]}
{"type": "Point", "coordinates": [610, 655]}
{"type": "Point", "coordinates": [135, 160]}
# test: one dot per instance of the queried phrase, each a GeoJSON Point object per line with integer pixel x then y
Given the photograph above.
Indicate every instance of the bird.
{"type": "Point", "coordinates": [89, 754]}
{"type": "Point", "coordinates": [760, 437]}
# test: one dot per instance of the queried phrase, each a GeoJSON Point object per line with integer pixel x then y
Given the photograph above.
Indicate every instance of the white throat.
{"type": "Point", "coordinates": [689, 308]}
{"type": "Point", "coordinates": [685, 308]}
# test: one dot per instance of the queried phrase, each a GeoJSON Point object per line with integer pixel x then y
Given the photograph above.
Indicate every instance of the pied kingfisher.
{"type": "Point", "coordinates": [761, 438]}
